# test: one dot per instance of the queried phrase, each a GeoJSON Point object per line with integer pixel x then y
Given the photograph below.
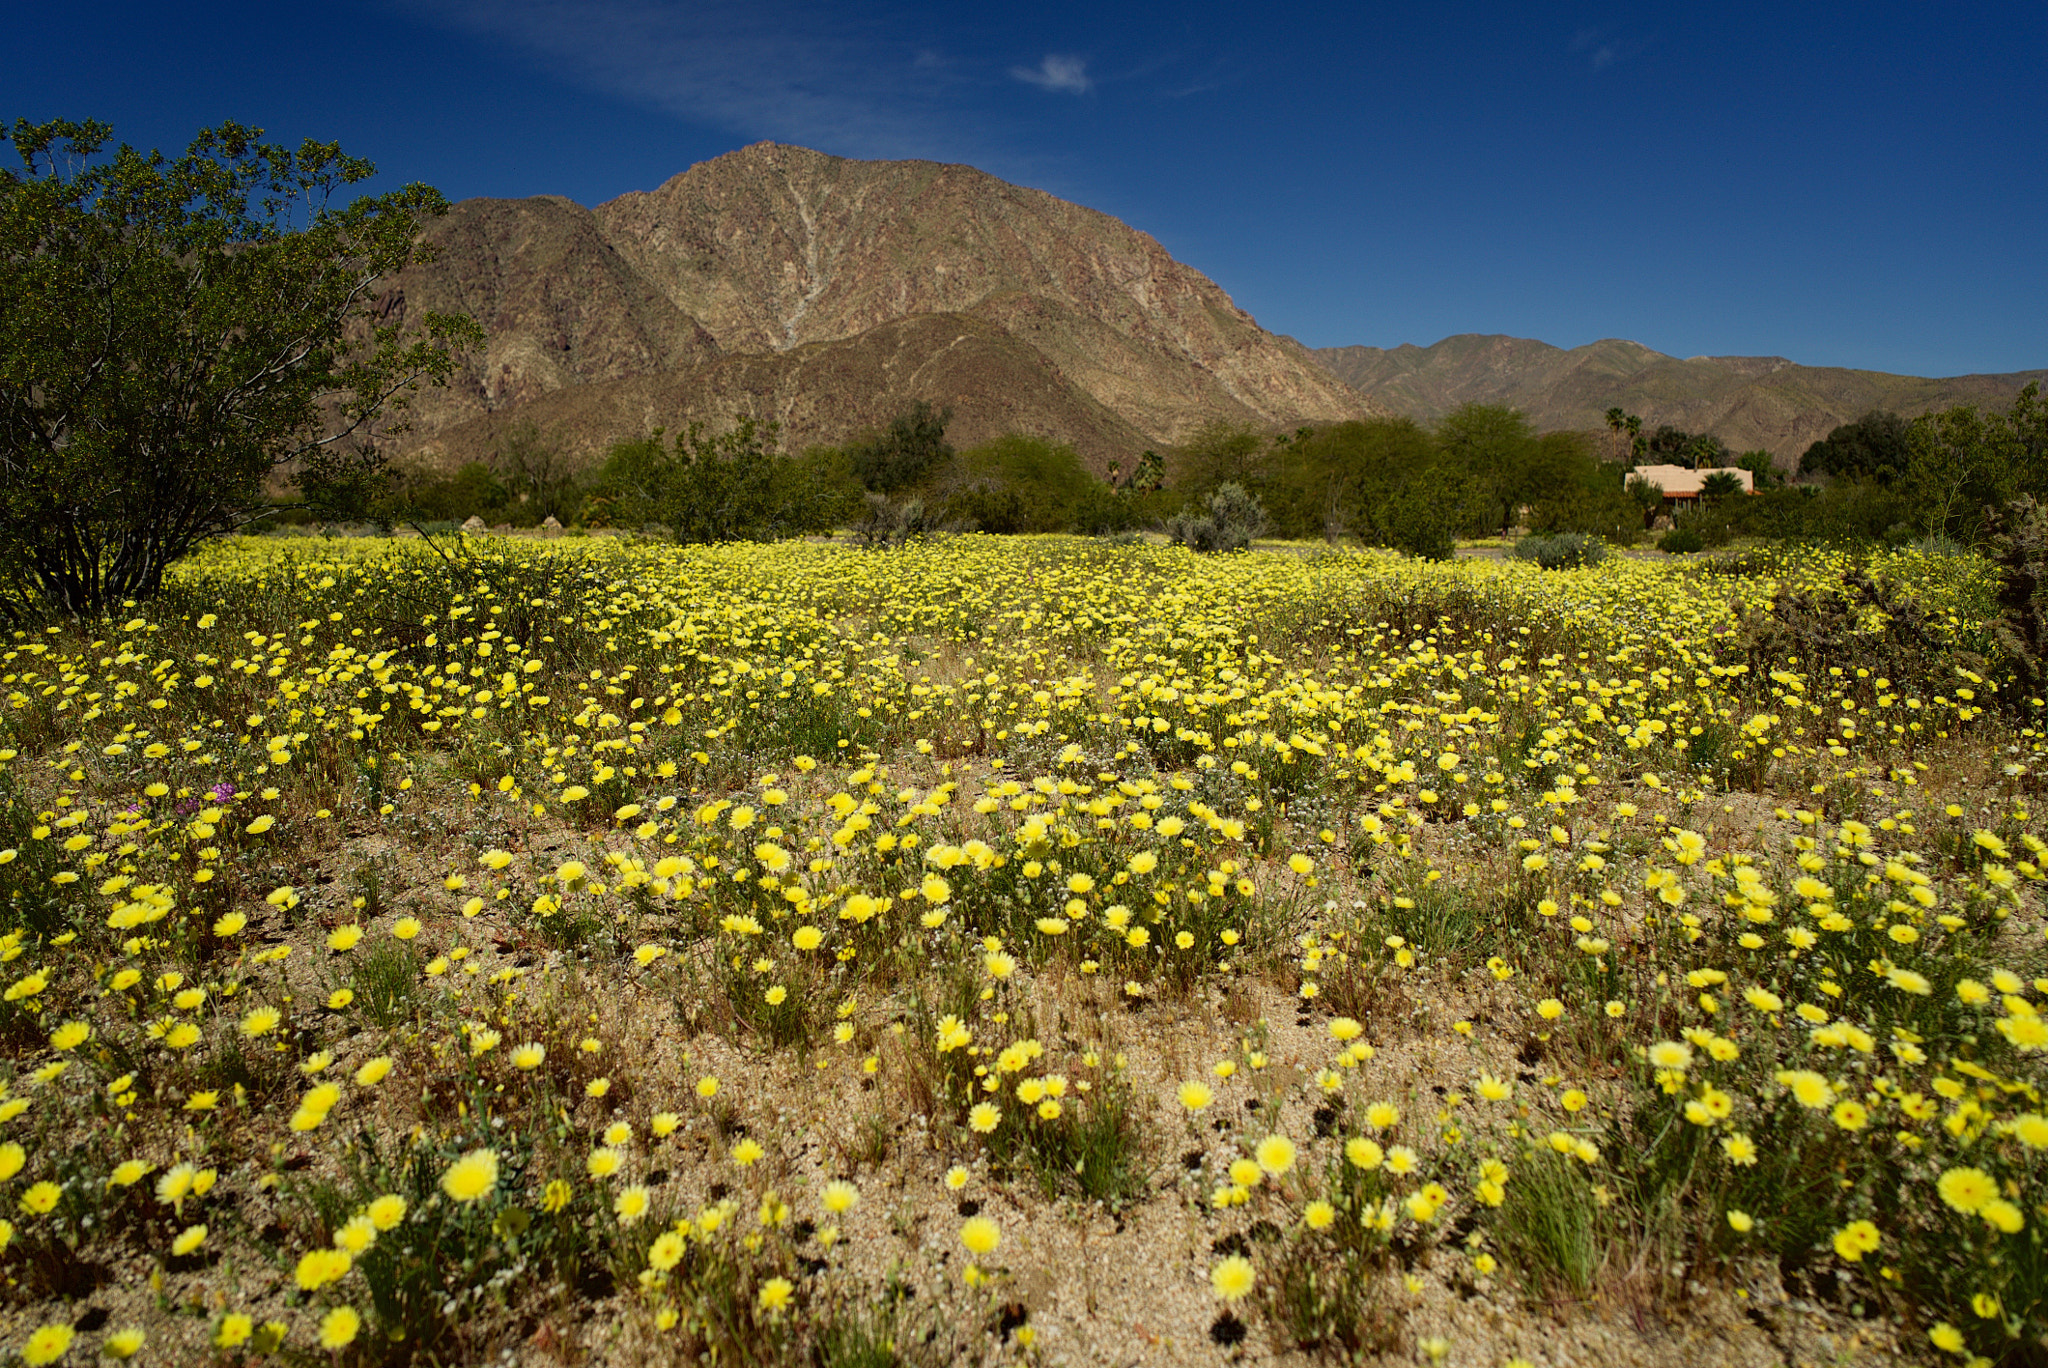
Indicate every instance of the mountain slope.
{"type": "Point", "coordinates": [821, 391]}
{"type": "Point", "coordinates": [776, 246]}
{"type": "Point", "coordinates": [558, 305]}
{"type": "Point", "coordinates": [1749, 402]}
{"type": "Point", "coordinates": [703, 298]}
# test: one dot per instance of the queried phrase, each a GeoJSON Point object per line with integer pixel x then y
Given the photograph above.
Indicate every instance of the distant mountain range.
{"type": "Point", "coordinates": [827, 294]}
{"type": "Point", "coordinates": [1749, 402]}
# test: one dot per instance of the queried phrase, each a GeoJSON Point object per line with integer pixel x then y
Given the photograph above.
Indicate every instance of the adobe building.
{"type": "Point", "coordinates": [1681, 484]}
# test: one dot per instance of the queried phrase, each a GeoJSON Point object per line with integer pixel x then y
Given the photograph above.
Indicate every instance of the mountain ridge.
{"type": "Point", "coordinates": [1087, 328]}
{"type": "Point", "coordinates": [1766, 403]}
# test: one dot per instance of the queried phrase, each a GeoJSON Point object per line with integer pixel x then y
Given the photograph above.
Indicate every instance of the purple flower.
{"type": "Point", "coordinates": [221, 792]}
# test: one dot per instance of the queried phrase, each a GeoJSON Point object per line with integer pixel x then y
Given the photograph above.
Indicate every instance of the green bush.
{"type": "Point", "coordinates": [474, 489]}
{"type": "Point", "coordinates": [1106, 511]}
{"type": "Point", "coordinates": [734, 486]}
{"type": "Point", "coordinates": [1422, 521]}
{"type": "Point", "coordinates": [1564, 551]}
{"type": "Point", "coordinates": [1591, 502]}
{"type": "Point", "coordinates": [1680, 541]}
{"type": "Point", "coordinates": [910, 452]}
{"type": "Point", "coordinates": [1845, 512]}
{"type": "Point", "coordinates": [1020, 484]}
{"type": "Point", "coordinates": [1341, 479]}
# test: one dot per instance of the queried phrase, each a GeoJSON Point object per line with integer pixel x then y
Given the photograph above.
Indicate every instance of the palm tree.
{"type": "Point", "coordinates": [1646, 497]}
{"type": "Point", "coordinates": [1719, 485]}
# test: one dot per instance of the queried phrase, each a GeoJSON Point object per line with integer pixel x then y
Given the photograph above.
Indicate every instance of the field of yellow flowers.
{"type": "Point", "coordinates": [1013, 951]}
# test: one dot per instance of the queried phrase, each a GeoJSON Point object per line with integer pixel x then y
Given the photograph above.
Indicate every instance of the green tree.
{"type": "Point", "coordinates": [1720, 485]}
{"type": "Point", "coordinates": [1126, 499]}
{"type": "Point", "coordinates": [1342, 479]}
{"type": "Point", "coordinates": [909, 452]}
{"type": "Point", "coordinates": [1958, 463]}
{"type": "Point", "coordinates": [1872, 448]}
{"type": "Point", "coordinates": [827, 473]}
{"type": "Point", "coordinates": [1762, 468]}
{"type": "Point", "coordinates": [1018, 483]}
{"type": "Point", "coordinates": [539, 475]}
{"type": "Point", "coordinates": [1647, 498]}
{"type": "Point", "coordinates": [1220, 452]}
{"type": "Point", "coordinates": [416, 493]}
{"type": "Point", "coordinates": [722, 487]}
{"type": "Point", "coordinates": [175, 333]}
{"type": "Point", "coordinates": [1572, 492]}
{"type": "Point", "coordinates": [1707, 452]}
{"type": "Point", "coordinates": [1499, 452]}
{"type": "Point", "coordinates": [1147, 477]}
{"type": "Point", "coordinates": [1423, 518]}
{"type": "Point", "coordinates": [2027, 421]}
{"type": "Point", "coordinates": [1669, 445]}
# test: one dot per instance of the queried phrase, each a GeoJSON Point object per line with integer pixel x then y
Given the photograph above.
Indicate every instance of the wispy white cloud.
{"type": "Point", "coordinates": [1056, 72]}
{"type": "Point", "coordinates": [826, 76]}
{"type": "Point", "coordinates": [1598, 50]}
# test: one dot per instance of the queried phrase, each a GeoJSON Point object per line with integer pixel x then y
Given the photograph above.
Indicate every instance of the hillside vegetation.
{"type": "Point", "coordinates": [1481, 471]}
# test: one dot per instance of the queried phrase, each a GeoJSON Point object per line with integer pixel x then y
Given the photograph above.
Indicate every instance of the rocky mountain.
{"type": "Point", "coordinates": [558, 305]}
{"type": "Point", "coordinates": [826, 294]}
{"type": "Point", "coordinates": [1749, 402]}
{"type": "Point", "coordinates": [822, 391]}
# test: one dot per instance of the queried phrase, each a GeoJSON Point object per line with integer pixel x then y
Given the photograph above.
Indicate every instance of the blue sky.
{"type": "Point", "coordinates": [1859, 185]}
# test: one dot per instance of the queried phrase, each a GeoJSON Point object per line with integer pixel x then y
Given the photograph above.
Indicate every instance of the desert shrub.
{"type": "Point", "coordinates": [1846, 512]}
{"type": "Point", "coordinates": [2019, 545]}
{"type": "Point", "coordinates": [887, 524]}
{"type": "Point", "coordinates": [991, 508]}
{"type": "Point", "coordinates": [1681, 541]}
{"type": "Point", "coordinates": [1227, 522]}
{"type": "Point", "coordinates": [1595, 503]}
{"type": "Point", "coordinates": [473, 489]}
{"type": "Point", "coordinates": [1106, 512]}
{"type": "Point", "coordinates": [1939, 545]}
{"type": "Point", "coordinates": [1867, 623]}
{"type": "Point", "coordinates": [1562, 551]}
